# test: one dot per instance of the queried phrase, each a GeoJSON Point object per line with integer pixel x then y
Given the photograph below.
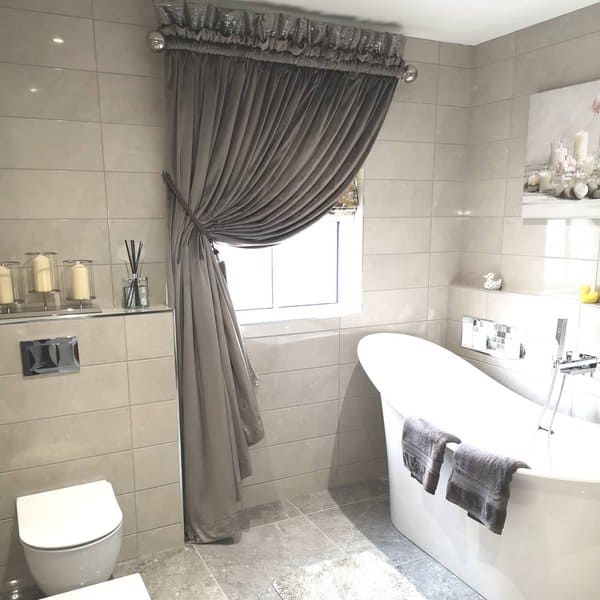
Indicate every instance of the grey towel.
{"type": "Point", "coordinates": [480, 483]}
{"type": "Point", "coordinates": [423, 447]}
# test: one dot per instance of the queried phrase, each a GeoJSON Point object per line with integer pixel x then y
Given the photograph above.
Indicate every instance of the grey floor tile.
{"type": "Point", "coordinates": [434, 582]}
{"type": "Point", "coordinates": [340, 496]}
{"type": "Point", "coordinates": [267, 513]}
{"type": "Point", "coordinates": [180, 574]}
{"type": "Point", "coordinates": [366, 526]}
{"type": "Point", "coordinates": [247, 568]}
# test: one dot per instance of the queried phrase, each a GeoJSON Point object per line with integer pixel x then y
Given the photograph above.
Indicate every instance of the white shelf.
{"type": "Point", "coordinates": [542, 206]}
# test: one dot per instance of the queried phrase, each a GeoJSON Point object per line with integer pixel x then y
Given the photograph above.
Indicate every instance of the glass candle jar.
{"type": "Point", "coordinates": [78, 280]}
{"type": "Point", "coordinates": [41, 273]}
{"type": "Point", "coordinates": [135, 292]}
{"type": "Point", "coordinates": [11, 288]}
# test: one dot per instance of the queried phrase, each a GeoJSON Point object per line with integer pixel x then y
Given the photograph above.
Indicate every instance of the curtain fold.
{"type": "Point", "coordinates": [258, 152]}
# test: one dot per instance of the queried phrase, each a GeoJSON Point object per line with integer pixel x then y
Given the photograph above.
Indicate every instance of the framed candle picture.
{"type": "Point", "coordinates": [562, 163]}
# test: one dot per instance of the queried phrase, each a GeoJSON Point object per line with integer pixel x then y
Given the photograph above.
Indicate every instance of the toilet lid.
{"type": "Point", "coordinates": [68, 517]}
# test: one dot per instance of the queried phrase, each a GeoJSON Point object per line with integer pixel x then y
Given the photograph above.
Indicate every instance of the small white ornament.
{"type": "Point", "coordinates": [580, 190]}
{"type": "Point", "coordinates": [492, 282]}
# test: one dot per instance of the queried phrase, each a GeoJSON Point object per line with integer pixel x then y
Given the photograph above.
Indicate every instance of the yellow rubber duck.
{"type": "Point", "coordinates": [586, 296]}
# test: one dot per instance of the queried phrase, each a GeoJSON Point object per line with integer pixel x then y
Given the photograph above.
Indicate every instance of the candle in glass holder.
{"type": "Point", "coordinates": [580, 147]}
{"type": "Point", "coordinates": [42, 273]}
{"type": "Point", "coordinates": [80, 282]}
{"type": "Point", "coordinates": [7, 295]}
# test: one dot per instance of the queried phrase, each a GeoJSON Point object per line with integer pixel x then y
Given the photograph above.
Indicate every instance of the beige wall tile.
{"type": "Point", "coordinates": [288, 487]}
{"type": "Point", "coordinates": [448, 198]}
{"type": "Point", "coordinates": [75, 8]}
{"type": "Point", "coordinates": [157, 540]}
{"type": "Point", "coordinates": [296, 423]}
{"type": "Point", "coordinates": [436, 332]}
{"type": "Point", "coordinates": [153, 232]}
{"type": "Point", "coordinates": [452, 125]}
{"type": "Point", "coordinates": [488, 160]}
{"type": "Point", "coordinates": [466, 301]}
{"type": "Point", "coordinates": [557, 65]}
{"type": "Point", "coordinates": [101, 340]}
{"type": "Point", "coordinates": [129, 548]}
{"type": "Point", "coordinates": [149, 336]}
{"type": "Point", "coordinates": [395, 271]}
{"type": "Point", "coordinates": [408, 122]}
{"type": "Point", "coordinates": [138, 12]}
{"type": "Point", "coordinates": [294, 388]}
{"type": "Point", "coordinates": [69, 238]}
{"type": "Point", "coordinates": [131, 100]}
{"type": "Point", "coordinates": [48, 93]}
{"type": "Point", "coordinates": [516, 157]}
{"type": "Point", "coordinates": [483, 234]}
{"type": "Point", "coordinates": [396, 235]}
{"type": "Point", "coordinates": [295, 458]}
{"type": "Point", "coordinates": [153, 424]}
{"type": "Point", "coordinates": [390, 306]}
{"type": "Point", "coordinates": [368, 470]}
{"type": "Point", "coordinates": [421, 50]}
{"type": "Point", "coordinates": [35, 443]}
{"type": "Point", "coordinates": [446, 234]}
{"type": "Point", "coordinates": [127, 505]}
{"type": "Point", "coordinates": [493, 82]}
{"type": "Point", "coordinates": [474, 264]}
{"type": "Point", "coordinates": [397, 198]}
{"type": "Point", "coordinates": [93, 388]}
{"type": "Point", "coordinates": [10, 548]}
{"type": "Point", "coordinates": [399, 160]}
{"type": "Point", "coordinates": [437, 303]}
{"type": "Point", "coordinates": [455, 86]}
{"type": "Point", "coordinates": [51, 195]}
{"type": "Point", "coordinates": [26, 38]}
{"type": "Point", "coordinates": [292, 352]}
{"type": "Point", "coordinates": [495, 50]}
{"type": "Point", "coordinates": [136, 196]}
{"type": "Point", "coordinates": [152, 380]}
{"type": "Point", "coordinates": [355, 383]}
{"type": "Point", "coordinates": [349, 338]}
{"type": "Point", "coordinates": [571, 25]}
{"type": "Point", "coordinates": [158, 507]}
{"type": "Point", "coordinates": [285, 327]}
{"type": "Point", "coordinates": [519, 117]}
{"type": "Point", "coordinates": [42, 144]}
{"type": "Point", "coordinates": [486, 198]}
{"type": "Point", "coordinates": [116, 468]}
{"type": "Point", "coordinates": [514, 197]}
{"type": "Point", "coordinates": [443, 268]}
{"type": "Point", "coordinates": [134, 148]}
{"type": "Point", "coordinates": [122, 49]}
{"type": "Point", "coordinates": [490, 122]}
{"type": "Point", "coordinates": [360, 445]}
{"type": "Point", "coordinates": [156, 465]}
{"type": "Point", "coordinates": [450, 162]}
{"type": "Point", "coordinates": [424, 89]}
{"type": "Point", "coordinates": [360, 413]}
{"type": "Point", "coordinates": [575, 238]}
{"type": "Point", "coordinates": [457, 55]}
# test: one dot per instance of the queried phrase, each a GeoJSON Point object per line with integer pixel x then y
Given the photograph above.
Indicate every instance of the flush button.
{"type": "Point", "coordinates": [54, 355]}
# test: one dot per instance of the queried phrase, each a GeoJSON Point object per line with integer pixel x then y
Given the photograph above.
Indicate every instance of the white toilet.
{"type": "Point", "coordinates": [72, 536]}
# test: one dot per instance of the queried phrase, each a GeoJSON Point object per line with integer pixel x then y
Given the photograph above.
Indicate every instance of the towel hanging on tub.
{"type": "Point", "coordinates": [423, 447]}
{"type": "Point", "coordinates": [480, 483]}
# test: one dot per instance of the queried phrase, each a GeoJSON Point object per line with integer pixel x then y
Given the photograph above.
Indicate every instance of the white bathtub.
{"type": "Point", "coordinates": [550, 547]}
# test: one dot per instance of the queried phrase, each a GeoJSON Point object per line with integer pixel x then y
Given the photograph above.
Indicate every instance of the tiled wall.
{"type": "Point", "coordinates": [548, 257]}
{"type": "Point", "coordinates": [117, 419]}
{"type": "Point", "coordinates": [322, 417]}
{"type": "Point", "coordinates": [81, 125]}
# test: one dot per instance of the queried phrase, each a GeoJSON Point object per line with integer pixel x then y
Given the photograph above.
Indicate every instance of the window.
{"type": "Point", "coordinates": [314, 274]}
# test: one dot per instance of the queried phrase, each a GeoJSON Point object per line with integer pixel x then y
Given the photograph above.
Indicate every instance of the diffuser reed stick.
{"type": "Point", "coordinates": [133, 255]}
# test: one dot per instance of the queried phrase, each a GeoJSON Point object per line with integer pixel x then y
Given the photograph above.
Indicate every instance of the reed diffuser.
{"type": "Point", "coordinates": [135, 287]}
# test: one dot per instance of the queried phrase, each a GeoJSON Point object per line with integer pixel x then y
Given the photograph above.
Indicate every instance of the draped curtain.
{"type": "Point", "coordinates": [258, 151]}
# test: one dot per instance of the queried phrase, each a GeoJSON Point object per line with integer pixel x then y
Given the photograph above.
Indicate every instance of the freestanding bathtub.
{"type": "Point", "coordinates": [550, 547]}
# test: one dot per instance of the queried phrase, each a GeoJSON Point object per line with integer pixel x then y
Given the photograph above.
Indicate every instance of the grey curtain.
{"type": "Point", "coordinates": [258, 151]}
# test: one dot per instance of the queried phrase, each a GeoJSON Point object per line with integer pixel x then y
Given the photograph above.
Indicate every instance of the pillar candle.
{"type": "Point", "coordinates": [80, 282]}
{"type": "Point", "coordinates": [580, 148]}
{"type": "Point", "coordinates": [7, 295]}
{"type": "Point", "coordinates": [545, 181]}
{"type": "Point", "coordinates": [42, 276]}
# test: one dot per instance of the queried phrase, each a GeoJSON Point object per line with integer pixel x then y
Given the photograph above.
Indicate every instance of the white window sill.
{"type": "Point", "coordinates": [293, 313]}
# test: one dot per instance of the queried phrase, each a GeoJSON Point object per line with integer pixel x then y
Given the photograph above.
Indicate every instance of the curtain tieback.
{"type": "Point", "coordinates": [171, 185]}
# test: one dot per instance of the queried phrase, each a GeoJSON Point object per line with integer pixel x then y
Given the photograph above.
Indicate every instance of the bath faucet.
{"type": "Point", "coordinates": [586, 363]}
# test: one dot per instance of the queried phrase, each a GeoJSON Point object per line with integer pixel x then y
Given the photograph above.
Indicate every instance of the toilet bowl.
{"type": "Point", "coordinates": [71, 537]}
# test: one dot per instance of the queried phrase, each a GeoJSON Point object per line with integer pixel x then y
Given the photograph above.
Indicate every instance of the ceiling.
{"type": "Point", "coordinates": [459, 21]}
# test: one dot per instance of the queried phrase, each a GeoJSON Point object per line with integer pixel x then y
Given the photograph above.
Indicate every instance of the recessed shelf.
{"type": "Point", "coordinates": [543, 206]}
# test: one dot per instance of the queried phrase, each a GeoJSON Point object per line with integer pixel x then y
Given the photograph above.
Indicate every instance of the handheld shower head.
{"type": "Point", "coordinates": [561, 334]}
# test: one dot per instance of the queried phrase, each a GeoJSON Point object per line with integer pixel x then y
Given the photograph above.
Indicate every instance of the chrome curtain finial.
{"type": "Point", "coordinates": [409, 73]}
{"type": "Point", "coordinates": [156, 41]}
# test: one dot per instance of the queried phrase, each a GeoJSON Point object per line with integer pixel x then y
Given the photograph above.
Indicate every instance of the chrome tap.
{"type": "Point", "coordinates": [586, 363]}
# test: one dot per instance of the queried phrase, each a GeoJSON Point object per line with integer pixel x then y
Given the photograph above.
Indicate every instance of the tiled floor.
{"type": "Point", "coordinates": [282, 537]}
